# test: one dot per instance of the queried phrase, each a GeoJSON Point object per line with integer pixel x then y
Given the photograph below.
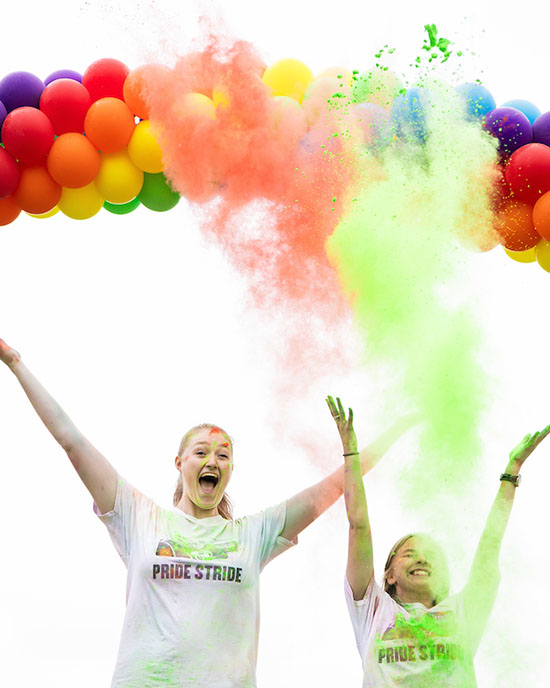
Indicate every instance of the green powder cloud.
{"type": "Point", "coordinates": [399, 258]}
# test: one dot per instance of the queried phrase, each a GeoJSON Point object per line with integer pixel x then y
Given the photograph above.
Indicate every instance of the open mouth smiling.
{"type": "Point", "coordinates": [208, 481]}
{"type": "Point", "coordinates": [420, 572]}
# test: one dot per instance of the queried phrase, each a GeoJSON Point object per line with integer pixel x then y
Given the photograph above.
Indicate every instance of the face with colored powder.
{"type": "Point", "coordinates": [419, 571]}
{"type": "Point", "coordinates": [206, 464]}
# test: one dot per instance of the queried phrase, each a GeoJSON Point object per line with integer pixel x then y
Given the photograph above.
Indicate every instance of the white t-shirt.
{"type": "Point", "coordinates": [410, 645]}
{"type": "Point", "coordinates": [192, 593]}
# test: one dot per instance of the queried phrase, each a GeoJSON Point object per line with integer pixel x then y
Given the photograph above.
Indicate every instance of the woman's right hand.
{"type": "Point", "coordinates": [344, 425]}
{"type": "Point", "coordinates": [8, 355]}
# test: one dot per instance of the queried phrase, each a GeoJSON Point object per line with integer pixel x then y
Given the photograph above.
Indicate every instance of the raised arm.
{"type": "Point", "coordinates": [359, 569]}
{"type": "Point", "coordinates": [484, 575]}
{"type": "Point", "coordinates": [95, 471]}
{"type": "Point", "coordinates": [306, 506]}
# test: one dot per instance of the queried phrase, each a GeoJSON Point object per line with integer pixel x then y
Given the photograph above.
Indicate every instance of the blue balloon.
{"type": "Point", "coordinates": [529, 110]}
{"type": "Point", "coordinates": [408, 115]}
{"type": "Point", "coordinates": [478, 99]}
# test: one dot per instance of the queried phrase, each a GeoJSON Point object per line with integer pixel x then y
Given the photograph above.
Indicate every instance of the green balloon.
{"type": "Point", "coordinates": [156, 192]}
{"type": "Point", "coordinates": [122, 208]}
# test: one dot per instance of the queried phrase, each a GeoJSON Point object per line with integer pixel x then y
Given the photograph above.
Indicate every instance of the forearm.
{"type": "Point", "coordinates": [354, 494]}
{"type": "Point", "coordinates": [372, 454]}
{"type": "Point", "coordinates": [497, 521]}
{"type": "Point", "coordinates": [52, 415]}
{"type": "Point", "coordinates": [485, 567]}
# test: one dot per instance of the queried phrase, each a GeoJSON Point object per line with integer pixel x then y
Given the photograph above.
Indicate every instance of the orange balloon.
{"type": "Point", "coordinates": [73, 161]}
{"type": "Point", "coordinates": [541, 216]}
{"type": "Point", "coordinates": [137, 84]}
{"type": "Point", "coordinates": [109, 124]}
{"type": "Point", "coordinates": [514, 223]}
{"type": "Point", "coordinates": [37, 191]}
{"type": "Point", "coordinates": [9, 210]}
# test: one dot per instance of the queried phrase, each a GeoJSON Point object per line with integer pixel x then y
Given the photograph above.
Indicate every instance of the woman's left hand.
{"type": "Point", "coordinates": [344, 425]}
{"type": "Point", "coordinates": [527, 445]}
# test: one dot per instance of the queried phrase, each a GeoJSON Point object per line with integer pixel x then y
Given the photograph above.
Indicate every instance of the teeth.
{"type": "Point", "coordinates": [419, 572]}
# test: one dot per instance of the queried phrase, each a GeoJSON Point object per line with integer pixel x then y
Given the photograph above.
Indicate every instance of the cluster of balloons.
{"type": "Point", "coordinates": [77, 143]}
{"type": "Point", "coordinates": [522, 189]}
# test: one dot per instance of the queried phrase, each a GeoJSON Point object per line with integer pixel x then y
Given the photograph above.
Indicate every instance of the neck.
{"type": "Point", "coordinates": [427, 598]}
{"type": "Point", "coordinates": [190, 508]}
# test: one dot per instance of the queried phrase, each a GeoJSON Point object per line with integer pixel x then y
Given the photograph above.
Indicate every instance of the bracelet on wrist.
{"type": "Point", "coordinates": [509, 477]}
{"type": "Point", "coordinates": [351, 453]}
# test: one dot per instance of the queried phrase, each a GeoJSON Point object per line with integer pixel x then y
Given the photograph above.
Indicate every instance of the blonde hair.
{"type": "Point", "coordinates": [225, 508]}
{"type": "Point", "coordinates": [390, 587]}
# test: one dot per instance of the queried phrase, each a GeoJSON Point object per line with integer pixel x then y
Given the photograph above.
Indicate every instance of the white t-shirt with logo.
{"type": "Point", "coordinates": [410, 645]}
{"type": "Point", "coordinates": [192, 592]}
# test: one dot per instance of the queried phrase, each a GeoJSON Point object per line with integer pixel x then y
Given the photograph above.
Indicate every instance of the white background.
{"type": "Point", "coordinates": [140, 330]}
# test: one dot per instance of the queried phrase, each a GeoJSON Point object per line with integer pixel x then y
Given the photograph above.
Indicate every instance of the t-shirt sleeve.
{"type": "Point", "coordinates": [376, 606]}
{"type": "Point", "coordinates": [131, 511]}
{"type": "Point", "coordinates": [271, 544]}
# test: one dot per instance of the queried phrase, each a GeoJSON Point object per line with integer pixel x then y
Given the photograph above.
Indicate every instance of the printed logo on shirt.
{"type": "Point", "coordinates": [178, 546]}
{"type": "Point", "coordinates": [430, 637]}
{"type": "Point", "coordinates": [200, 572]}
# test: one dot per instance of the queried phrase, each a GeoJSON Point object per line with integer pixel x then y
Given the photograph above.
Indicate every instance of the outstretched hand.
{"type": "Point", "coordinates": [8, 355]}
{"type": "Point", "coordinates": [527, 445]}
{"type": "Point", "coordinates": [344, 425]}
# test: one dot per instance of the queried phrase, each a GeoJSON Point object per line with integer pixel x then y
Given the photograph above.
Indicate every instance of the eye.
{"type": "Point", "coordinates": [223, 456]}
{"type": "Point", "coordinates": [199, 452]}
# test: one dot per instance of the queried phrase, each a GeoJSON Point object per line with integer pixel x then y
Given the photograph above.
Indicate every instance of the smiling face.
{"type": "Point", "coordinates": [205, 462]}
{"type": "Point", "coordinates": [419, 571]}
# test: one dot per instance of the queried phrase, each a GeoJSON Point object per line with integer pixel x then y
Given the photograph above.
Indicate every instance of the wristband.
{"type": "Point", "coordinates": [514, 479]}
{"type": "Point", "coordinates": [351, 453]}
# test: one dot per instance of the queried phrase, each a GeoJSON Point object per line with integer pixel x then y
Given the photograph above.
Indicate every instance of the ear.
{"type": "Point", "coordinates": [390, 578]}
{"type": "Point", "coordinates": [177, 461]}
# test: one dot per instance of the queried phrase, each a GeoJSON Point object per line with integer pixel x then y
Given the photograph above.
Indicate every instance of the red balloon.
{"type": "Point", "coordinates": [500, 192]}
{"type": "Point", "coordinates": [528, 172]}
{"type": "Point", "coordinates": [515, 225]}
{"type": "Point", "coordinates": [9, 174]}
{"type": "Point", "coordinates": [65, 102]}
{"type": "Point", "coordinates": [105, 78]}
{"type": "Point", "coordinates": [27, 134]}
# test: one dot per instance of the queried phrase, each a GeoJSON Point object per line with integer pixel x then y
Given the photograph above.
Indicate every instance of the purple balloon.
{"type": "Point", "coordinates": [63, 74]}
{"type": "Point", "coordinates": [510, 126]}
{"type": "Point", "coordinates": [3, 113]}
{"type": "Point", "coordinates": [541, 129]}
{"type": "Point", "coordinates": [20, 89]}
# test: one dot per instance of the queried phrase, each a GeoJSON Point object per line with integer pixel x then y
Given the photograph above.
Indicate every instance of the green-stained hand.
{"type": "Point", "coordinates": [527, 445]}
{"type": "Point", "coordinates": [344, 425]}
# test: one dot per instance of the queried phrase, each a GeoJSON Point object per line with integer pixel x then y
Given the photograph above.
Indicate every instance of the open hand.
{"type": "Point", "coordinates": [527, 445]}
{"type": "Point", "coordinates": [8, 355]}
{"type": "Point", "coordinates": [344, 425]}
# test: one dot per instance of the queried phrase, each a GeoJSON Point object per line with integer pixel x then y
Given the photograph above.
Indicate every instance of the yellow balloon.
{"type": "Point", "coordinates": [143, 149]}
{"type": "Point", "coordinates": [118, 179]}
{"type": "Point", "coordinates": [542, 251]}
{"type": "Point", "coordinates": [528, 256]}
{"type": "Point", "coordinates": [81, 203]}
{"type": "Point", "coordinates": [288, 77]}
{"type": "Point", "coordinates": [220, 97]}
{"type": "Point", "coordinates": [195, 105]}
{"type": "Point", "coordinates": [343, 74]}
{"type": "Point", "coordinates": [43, 216]}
